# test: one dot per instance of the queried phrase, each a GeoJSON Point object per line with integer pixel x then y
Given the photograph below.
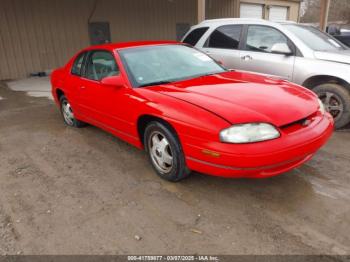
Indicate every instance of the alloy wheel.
{"type": "Point", "coordinates": [160, 152]}
{"type": "Point", "coordinates": [68, 113]}
{"type": "Point", "coordinates": [333, 104]}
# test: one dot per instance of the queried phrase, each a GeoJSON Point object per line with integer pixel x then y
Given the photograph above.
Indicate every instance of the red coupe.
{"type": "Point", "coordinates": [190, 113]}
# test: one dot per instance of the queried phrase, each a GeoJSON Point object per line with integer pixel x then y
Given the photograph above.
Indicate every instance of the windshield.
{"type": "Point", "coordinates": [153, 65]}
{"type": "Point", "coordinates": [314, 38]}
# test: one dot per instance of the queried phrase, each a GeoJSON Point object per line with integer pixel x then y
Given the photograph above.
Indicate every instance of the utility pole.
{"type": "Point", "coordinates": [201, 10]}
{"type": "Point", "coordinates": [324, 11]}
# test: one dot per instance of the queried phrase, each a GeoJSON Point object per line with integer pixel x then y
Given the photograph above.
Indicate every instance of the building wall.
{"type": "Point", "coordinates": [37, 35]}
{"type": "Point", "coordinates": [145, 19]}
{"type": "Point", "coordinates": [222, 9]}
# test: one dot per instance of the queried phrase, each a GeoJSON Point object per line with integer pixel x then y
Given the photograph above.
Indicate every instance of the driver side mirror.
{"type": "Point", "coordinates": [113, 81]}
{"type": "Point", "coordinates": [281, 48]}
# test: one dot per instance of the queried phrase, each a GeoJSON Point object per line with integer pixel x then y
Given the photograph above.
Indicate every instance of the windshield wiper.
{"type": "Point", "coordinates": [155, 83]}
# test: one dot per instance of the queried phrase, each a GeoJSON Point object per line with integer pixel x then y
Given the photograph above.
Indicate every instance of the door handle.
{"type": "Point", "coordinates": [207, 52]}
{"type": "Point", "coordinates": [83, 87]}
{"type": "Point", "coordinates": [247, 58]}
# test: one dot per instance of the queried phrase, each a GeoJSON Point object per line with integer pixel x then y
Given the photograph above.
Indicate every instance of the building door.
{"type": "Point", "coordinates": [278, 13]}
{"type": "Point", "coordinates": [251, 10]}
{"type": "Point", "coordinates": [99, 33]}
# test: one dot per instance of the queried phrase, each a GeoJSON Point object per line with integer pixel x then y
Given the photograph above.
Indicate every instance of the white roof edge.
{"type": "Point", "coordinates": [209, 21]}
{"type": "Point", "coordinates": [231, 19]}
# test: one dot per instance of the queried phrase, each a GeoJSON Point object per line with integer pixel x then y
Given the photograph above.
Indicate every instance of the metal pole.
{"type": "Point", "coordinates": [324, 11]}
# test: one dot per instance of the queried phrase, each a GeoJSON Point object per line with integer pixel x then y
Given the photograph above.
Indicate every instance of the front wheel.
{"type": "Point", "coordinates": [165, 152]}
{"type": "Point", "coordinates": [336, 100]}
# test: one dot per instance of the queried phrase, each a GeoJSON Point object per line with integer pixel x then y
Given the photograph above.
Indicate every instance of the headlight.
{"type": "Point", "coordinates": [248, 133]}
{"type": "Point", "coordinates": [322, 108]}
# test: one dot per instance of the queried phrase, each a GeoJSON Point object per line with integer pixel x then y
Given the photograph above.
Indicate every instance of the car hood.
{"type": "Point", "coordinates": [341, 56]}
{"type": "Point", "coordinates": [241, 98]}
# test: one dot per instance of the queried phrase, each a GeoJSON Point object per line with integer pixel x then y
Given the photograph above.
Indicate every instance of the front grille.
{"type": "Point", "coordinates": [298, 124]}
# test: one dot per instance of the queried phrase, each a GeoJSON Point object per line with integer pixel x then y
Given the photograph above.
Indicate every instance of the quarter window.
{"type": "Point", "coordinates": [263, 38]}
{"type": "Point", "coordinates": [227, 36]}
{"type": "Point", "coordinates": [100, 65]}
{"type": "Point", "coordinates": [193, 37]}
{"type": "Point", "coordinates": [78, 64]}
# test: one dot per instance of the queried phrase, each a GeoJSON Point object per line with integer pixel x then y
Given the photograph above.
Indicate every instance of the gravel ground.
{"type": "Point", "coordinates": [83, 191]}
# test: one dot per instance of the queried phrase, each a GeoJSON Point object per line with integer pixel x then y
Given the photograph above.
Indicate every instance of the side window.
{"type": "Point", "coordinates": [100, 65]}
{"type": "Point", "coordinates": [193, 37]}
{"type": "Point", "coordinates": [263, 38]}
{"type": "Point", "coordinates": [78, 64]}
{"type": "Point", "coordinates": [227, 36]}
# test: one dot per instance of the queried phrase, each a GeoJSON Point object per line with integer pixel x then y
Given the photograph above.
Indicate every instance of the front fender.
{"type": "Point", "coordinates": [191, 123]}
{"type": "Point", "coordinates": [307, 68]}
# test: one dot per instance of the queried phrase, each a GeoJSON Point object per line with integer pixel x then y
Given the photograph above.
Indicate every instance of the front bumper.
{"type": "Point", "coordinates": [258, 160]}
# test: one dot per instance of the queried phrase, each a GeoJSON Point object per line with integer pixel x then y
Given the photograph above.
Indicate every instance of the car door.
{"type": "Point", "coordinates": [94, 97]}
{"type": "Point", "coordinates": [257, 52]}
{"type": "Point", "coordinates": [73, 82]}
{"type": "Point", "coordinates": [223, 45]}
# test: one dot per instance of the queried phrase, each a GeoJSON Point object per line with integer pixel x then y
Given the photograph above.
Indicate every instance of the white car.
{"type": "Point", "coordinates": [299, 53]}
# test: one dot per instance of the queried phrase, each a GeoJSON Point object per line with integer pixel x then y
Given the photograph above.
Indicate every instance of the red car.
{"type": "Point", "coordinates": [190, 113]}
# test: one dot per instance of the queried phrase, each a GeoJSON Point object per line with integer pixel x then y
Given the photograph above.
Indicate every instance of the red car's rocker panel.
{"type": "Point", "coordinates": [193, 112]}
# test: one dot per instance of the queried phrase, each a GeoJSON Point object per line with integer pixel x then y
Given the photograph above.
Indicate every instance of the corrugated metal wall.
{"type": "Point", "coordinates": [145, 19]}
{"type": "Point", "coordinates": [40, 34]}
{"type": "Point", "coordinates": [221, 8]}
{"type": "Point", "coordinates": [37, 35]}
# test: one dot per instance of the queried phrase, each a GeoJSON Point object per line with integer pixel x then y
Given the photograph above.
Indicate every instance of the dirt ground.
{"type": "Point", "coordinates": [83, 191]}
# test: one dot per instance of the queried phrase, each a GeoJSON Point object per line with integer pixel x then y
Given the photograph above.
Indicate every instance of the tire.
{"type": "Point", "coordinates": [336, 99]}
{"type": "Point", "coordinates": [68, 116]}
{"type": "Point", "coordinates": [161, 142]}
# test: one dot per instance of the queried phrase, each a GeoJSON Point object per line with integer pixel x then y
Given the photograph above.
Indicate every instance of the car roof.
{"type": "Point", "coordinates": [122, 45]}
{"type": "Point", "coordinates": [242, 20]}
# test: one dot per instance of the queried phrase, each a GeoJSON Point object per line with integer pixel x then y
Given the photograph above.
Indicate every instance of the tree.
{"type": "Point", "coordinates": [339, 11]}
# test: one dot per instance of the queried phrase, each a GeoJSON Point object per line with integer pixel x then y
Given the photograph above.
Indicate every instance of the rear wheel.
{"type": "Point", "coordinates": [336, 100]}
{"type": "Point", "coordinates": [165, 152]}
{"type": "Point", "coordinates": [68, 115]}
